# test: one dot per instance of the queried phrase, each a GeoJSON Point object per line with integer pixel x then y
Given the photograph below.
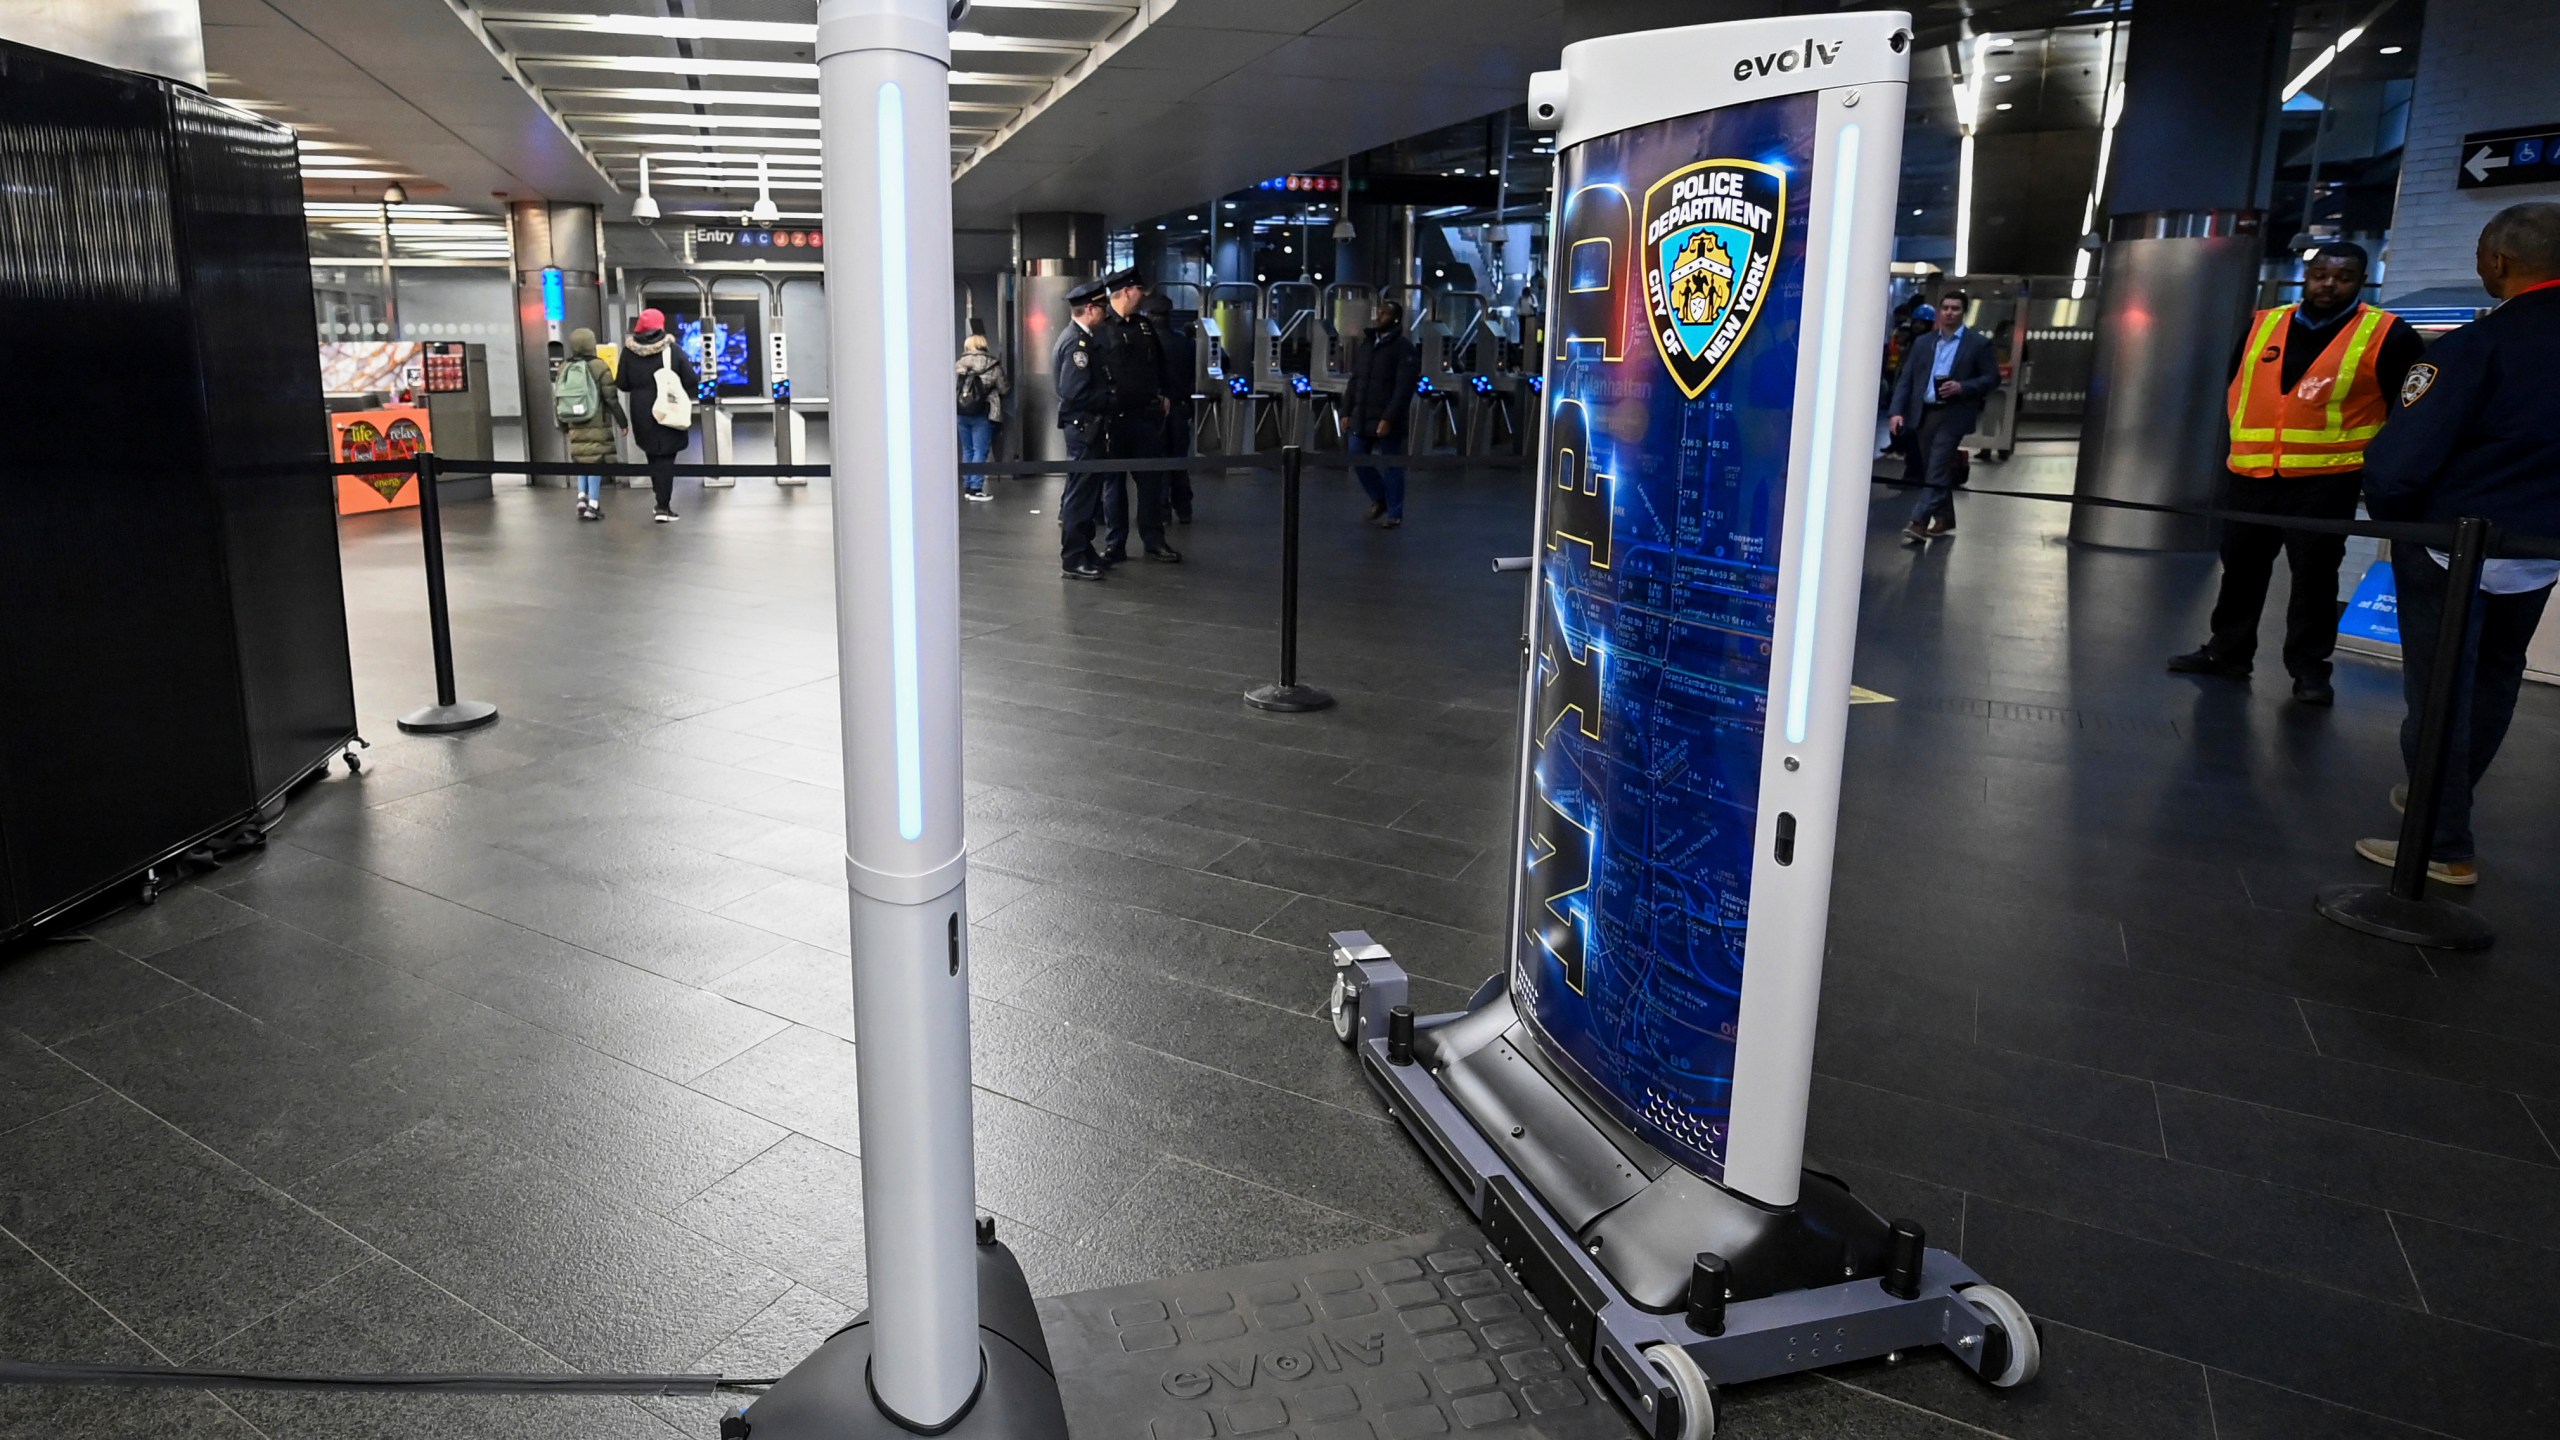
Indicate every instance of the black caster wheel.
{"type": "Point", "coordinates": [1344, 1008]}
{"type": "Point", "coordinates": [355, 762]}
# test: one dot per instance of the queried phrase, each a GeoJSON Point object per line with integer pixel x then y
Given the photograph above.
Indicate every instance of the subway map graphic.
{"type": "Point", "coordinates": [1659, 519]}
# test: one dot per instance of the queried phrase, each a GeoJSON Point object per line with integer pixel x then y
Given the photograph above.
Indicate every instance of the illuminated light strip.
{"type": "Point", "coordinates": [898, 433]}
{"type": "Point", "coordinates": [1826, 416]}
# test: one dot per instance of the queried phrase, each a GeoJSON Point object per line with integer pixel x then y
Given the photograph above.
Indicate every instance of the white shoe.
{"type": "Point", "coordinates": [665, 517]}
{"type": "Point", "coordinates": [978, 495]}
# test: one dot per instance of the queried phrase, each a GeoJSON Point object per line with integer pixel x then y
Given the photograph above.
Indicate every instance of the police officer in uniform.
{"type": "Point", "coordinates": [1085, 407]}
{"type": "Point", "coordinates": [2476, 434]}
{"type": "Point", "coordinates": [1133, 353]}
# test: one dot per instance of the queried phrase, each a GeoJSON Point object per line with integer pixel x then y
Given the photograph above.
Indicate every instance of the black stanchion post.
{"type": "Point", "coordinates": [2402, 910]}
{"type": "Point", "coordinates": [1288, 694]}
{"type": "Point", "coordinates": [449, 713]}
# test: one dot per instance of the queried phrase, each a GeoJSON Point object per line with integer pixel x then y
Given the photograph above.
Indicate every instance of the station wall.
{"type": "Point", "coordinates": [2485, 65]}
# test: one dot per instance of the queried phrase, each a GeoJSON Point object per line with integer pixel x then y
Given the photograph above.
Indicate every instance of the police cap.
{"type": "Point", "coordinates": [1122, 279]}
{"type": "Point", "coordinates": [1091, 292]}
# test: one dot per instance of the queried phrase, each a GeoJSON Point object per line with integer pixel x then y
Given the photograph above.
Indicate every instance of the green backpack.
{"type": "Point", "coordinates": [576, 400]}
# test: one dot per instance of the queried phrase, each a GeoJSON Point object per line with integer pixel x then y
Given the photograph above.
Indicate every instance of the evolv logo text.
{"type": "Point", "coordinates": [1814, 53]}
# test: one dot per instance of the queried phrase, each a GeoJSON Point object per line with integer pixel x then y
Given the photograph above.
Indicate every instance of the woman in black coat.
{"type": "Point", "coordinates": [652, 349]}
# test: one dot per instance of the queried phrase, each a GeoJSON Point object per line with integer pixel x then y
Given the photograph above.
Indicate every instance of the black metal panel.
{"type": "Point", "coordinates": [120, 720]}
{"type": "Point", "coordinates": [245, 262]}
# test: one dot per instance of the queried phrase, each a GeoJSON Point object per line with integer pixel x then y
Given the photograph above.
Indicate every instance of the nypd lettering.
{"type": "Point", "coordinates": [1711, 237]}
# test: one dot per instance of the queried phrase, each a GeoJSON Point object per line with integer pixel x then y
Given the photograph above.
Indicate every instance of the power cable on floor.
{"type": "Point", "coordinates": [23, 1372]}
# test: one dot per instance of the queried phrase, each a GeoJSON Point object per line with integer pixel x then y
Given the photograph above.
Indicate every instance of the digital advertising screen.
{"type": "Point", "coordinates": [736, 327]}
{"type": "Point", "coordinates": [1670, 390]}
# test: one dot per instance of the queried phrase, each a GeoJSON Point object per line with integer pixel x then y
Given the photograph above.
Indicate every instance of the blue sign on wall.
{"type": "Point", "coordinates": [1670, 409]}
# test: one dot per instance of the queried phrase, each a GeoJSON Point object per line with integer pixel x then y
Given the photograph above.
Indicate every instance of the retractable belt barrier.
{"type": "Point", "coordinates": [2400, 911]}
{"type": "Point", "coordinates": [2502, 545]}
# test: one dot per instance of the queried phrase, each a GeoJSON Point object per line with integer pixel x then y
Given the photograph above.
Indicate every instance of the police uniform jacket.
{"type": "Point", "coordinates": [1084, 381]}
{"type": "Point", "coordinates": [2474, 431]}
{"type": "Point", "coordinates": [1134, 354]}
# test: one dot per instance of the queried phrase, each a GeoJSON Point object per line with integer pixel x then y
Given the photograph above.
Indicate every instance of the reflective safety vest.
{"type": "Point", "coordinates": [2320, 426]}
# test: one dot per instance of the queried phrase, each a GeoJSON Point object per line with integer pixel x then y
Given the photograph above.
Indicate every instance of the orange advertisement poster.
{"type": "Point", "coordinates": [393, 433]}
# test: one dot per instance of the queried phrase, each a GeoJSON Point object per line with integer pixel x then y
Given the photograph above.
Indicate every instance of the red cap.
{"type": "Point", "coordinates": [651, 319]}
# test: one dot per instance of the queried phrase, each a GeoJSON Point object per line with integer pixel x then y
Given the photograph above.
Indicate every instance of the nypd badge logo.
{"type": "Point", "coordinates": [2421, 376]}
{"type": "Point", "coordinates": [1711, 236]}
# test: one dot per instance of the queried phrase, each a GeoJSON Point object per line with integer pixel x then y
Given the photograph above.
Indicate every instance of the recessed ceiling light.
{"type": "Point", "coordinates": [1159, 227]}
{"type": "Point", "coordinates": [1231, 204]}
{"type": "Point", "coordinates": [2004, 105]}
{"type": "Point", "coordinates": [2390, 49]}
{"type": "Point", "coordinates": [1190, 217]}
{"type": "Point", "coordinates": [2001, 42]}
{"type": "Point", "coordinates": [2002, 79]}
{"type": "Point", "coordinates": [1915, 212]}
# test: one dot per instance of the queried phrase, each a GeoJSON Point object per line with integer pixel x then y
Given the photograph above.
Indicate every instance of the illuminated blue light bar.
{"type": "Point", "coordinates": [1826, 417]}
{"type": "Point", "coordinates": [555, 297]}
{"type": "Point", "coordinates": [898, 433]}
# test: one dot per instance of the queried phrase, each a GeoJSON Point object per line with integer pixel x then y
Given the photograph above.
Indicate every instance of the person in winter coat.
{"type": "Point", "coordinates": [1376, 404]}
{"type": "Point", "coordinates": [981, 385]}
{"type": "Point", "coordinates": [592, 439]}
{"type": "Point", "coordinates": [653, 349]}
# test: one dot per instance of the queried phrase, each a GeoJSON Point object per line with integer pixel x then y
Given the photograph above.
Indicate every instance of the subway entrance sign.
{"type": "Point", "coordinates": [2525, 156]}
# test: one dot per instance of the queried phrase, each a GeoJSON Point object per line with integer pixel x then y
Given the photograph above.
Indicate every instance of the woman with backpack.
{"type": "Point", "coordinates": [583, 402]}
{"type": "Point", "coordinates": [980, 380]}
{"type": "Point", "coordinates": [662, 384]}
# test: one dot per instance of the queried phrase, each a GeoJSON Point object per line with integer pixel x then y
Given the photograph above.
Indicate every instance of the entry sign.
{"type": "Point", "coordinates": [1702, 496]}
{"type": "Point", "coordinates": [2529, 156]}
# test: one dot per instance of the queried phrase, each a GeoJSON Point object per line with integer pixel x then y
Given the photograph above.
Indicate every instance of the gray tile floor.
{"type": "Point", "coordinates": [533, 1048]}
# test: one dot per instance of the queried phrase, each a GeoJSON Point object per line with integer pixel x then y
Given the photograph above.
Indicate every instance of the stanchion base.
{"type": "Point", "coordinates": [1291, 698]}
{"type": "Point", "coordinates": [2435, 924]}
{"type": "Point", "coordinates": [829, 1396]}
{"type": "Point", "coordinates": [447, 719]}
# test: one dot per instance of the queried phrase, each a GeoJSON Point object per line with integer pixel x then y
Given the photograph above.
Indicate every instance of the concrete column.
{"type": "Point", "coordinates": [1058, 250]}
{"type": "Point", "coordinates": [2193, 163]}
{"type": "Point", "coordinates": [547, 236]}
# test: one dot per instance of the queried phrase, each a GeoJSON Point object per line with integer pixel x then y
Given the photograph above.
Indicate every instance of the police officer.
{"type": "Point", "coordinates": [1133, 354]}
{"type": "Point", "coordinates": [2475, 434]}
{"type": "Point", "coordinates": [1084, 412]}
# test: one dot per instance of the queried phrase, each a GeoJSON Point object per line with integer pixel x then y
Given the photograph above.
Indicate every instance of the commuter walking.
{"type": "Point", "coordinates": [1378, 406]}
{"type": "Point", "coordinates": [2310, 388]}
{"type": "Point", "coordinates": [2475, 435]}
{"type": "Point", "coordinates": [982, 385]}
{"type": "Point", "coordinates": [1084, 411]}
{"type": "Point", "coordinates": [1181, 366]}
{"type": "Point", "coordinates": [1948, 374]}
{"type": "Point", "coordinates": [661, 383]}
{"type": "Point", "coordinates": [1134, 354]}
{"type": "Point", "coordinates": [584, 404]}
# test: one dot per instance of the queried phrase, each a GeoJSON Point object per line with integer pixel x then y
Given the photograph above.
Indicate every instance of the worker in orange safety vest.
{"type": "Point", "coordinates": [2310, 386]}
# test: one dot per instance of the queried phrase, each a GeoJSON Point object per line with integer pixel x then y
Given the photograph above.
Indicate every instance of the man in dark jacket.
{"type": "Point", "coordinates": [2475, 435]}
{"type": "Point", "coordinates": [1133, 353]}
{"type": "Point", "coordinates": [1944, 381]}
{"type": "Point", "coordinates": [652, 349]}
{"type": "Point", "coordinates": [1181, 363]}
{"type": "Point", "coordinates": [1377, 404]}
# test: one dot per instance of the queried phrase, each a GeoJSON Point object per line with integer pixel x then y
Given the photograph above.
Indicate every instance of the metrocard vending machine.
{"type": "Point", "coordinates": [1624, 1107]}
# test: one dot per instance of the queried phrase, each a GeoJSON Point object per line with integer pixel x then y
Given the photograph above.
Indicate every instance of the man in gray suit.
{"type": "Point", "coordinates": [1940, 393]}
